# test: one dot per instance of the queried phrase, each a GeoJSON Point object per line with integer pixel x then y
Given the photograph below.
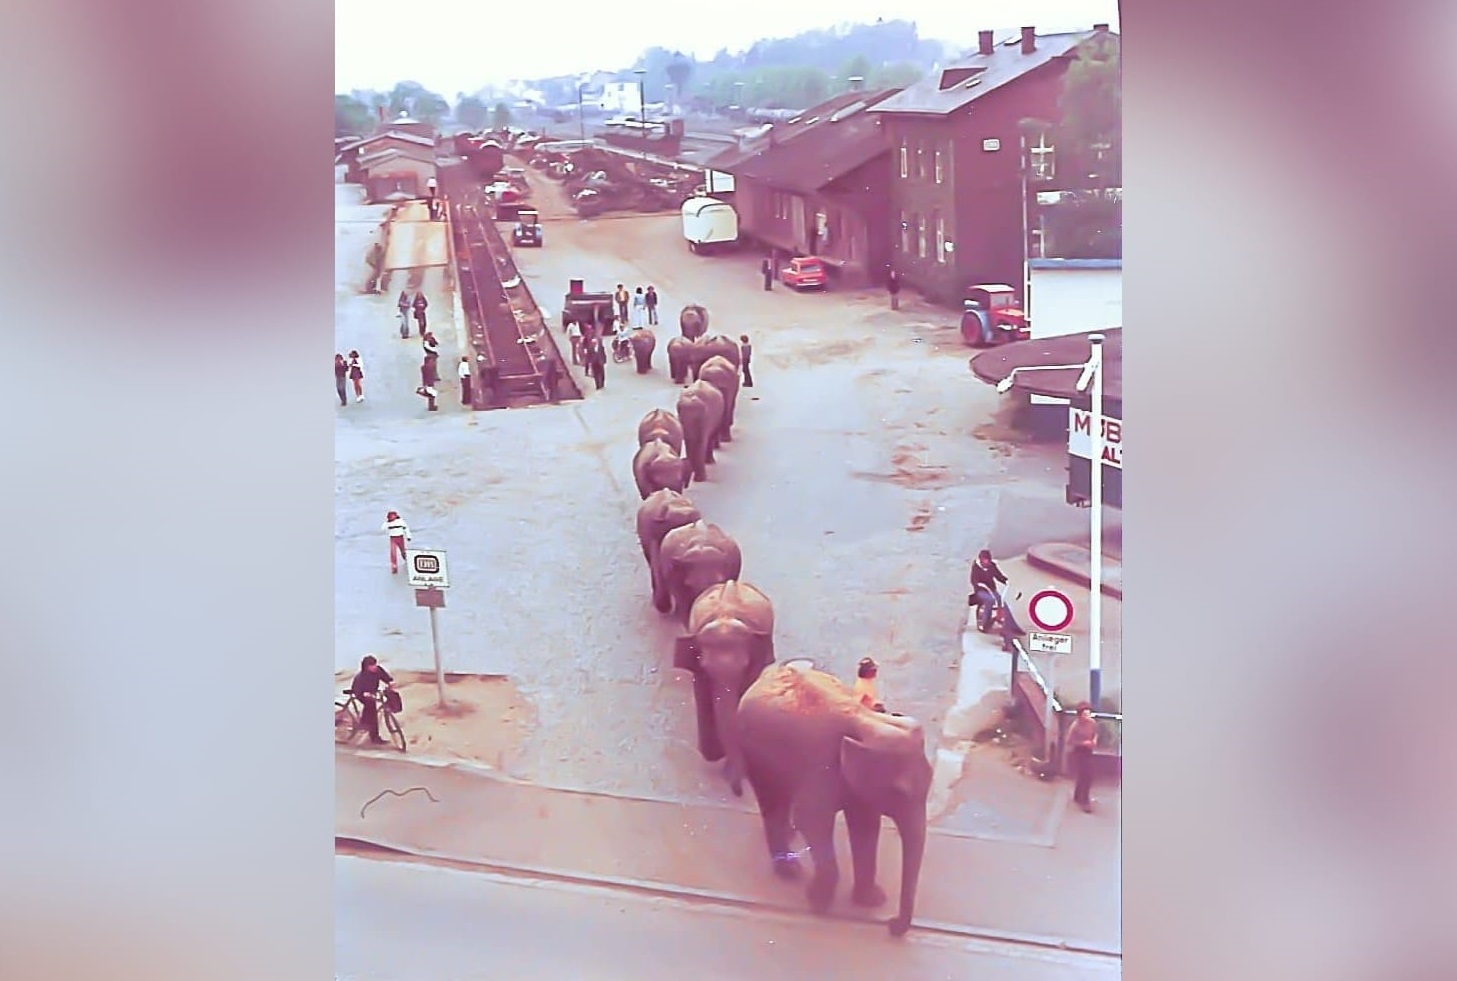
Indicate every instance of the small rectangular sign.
{"type": "Point", "coordinates": [430, 598]}
{"type": "Point", "coordinates": [1050, 643]}
{"type": "Point", "coordinates": [426, 567]}
{"type": "Point", "coordinates": [1080, 437]}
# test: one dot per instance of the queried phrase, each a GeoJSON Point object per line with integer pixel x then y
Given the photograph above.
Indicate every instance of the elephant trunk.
{"type": "Point", "coordinates": [912, 830]}
{"type": "Point", "coordinates": [725, 712]}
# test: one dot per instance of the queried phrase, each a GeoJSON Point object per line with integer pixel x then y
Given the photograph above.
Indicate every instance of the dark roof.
{"type": "Point", "coordinates": [983, 74]}
{"type": "Point", "coordinates": [819, 145]}
{"type": "Point", "coordinates": [994, 365]}
{"type": "Point", "coordinates": [783, 131]}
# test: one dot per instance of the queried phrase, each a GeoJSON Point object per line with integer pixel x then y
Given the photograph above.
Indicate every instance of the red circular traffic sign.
{"type": "Point", "coordinates": [1050, 610]}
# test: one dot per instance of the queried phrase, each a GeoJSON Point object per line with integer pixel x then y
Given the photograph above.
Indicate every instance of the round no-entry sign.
{"type": "Point", "coordinates": [1050, 610]}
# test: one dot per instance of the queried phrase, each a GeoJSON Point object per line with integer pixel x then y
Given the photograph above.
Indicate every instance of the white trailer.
{"type": "Point", "coordinates": [709, 223]}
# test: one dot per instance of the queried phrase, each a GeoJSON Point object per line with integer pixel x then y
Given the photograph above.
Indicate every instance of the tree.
{"type": "Point", "coordinates": [1090, 134]}
{"type": "Point", "coordinates": [471, 112]}
{"type": "Point", "coordinates": [679, 70]}
{"type": "Point", "coordinates": [351, 116]}
{"type": "Point", "coordinates": [859, 67]}
{"type": "Point", "coordinates": [500, 116]}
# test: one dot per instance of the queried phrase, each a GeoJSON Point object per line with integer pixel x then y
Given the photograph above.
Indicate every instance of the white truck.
{"type": "Point", "coordinates": [709, 223]}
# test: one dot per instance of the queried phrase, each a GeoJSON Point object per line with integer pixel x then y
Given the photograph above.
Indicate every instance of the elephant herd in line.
{"type": "Point", "coordinates": [805, 744]}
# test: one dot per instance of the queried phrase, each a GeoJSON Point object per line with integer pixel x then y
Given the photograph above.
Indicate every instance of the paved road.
{"type": "Point", "coordinates": [399, 922]}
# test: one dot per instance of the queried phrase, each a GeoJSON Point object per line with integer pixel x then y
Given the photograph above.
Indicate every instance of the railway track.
{"type": "Point", "coordinates": [504, 325]}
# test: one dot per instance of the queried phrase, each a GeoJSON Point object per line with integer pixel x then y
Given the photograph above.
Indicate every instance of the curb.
{"type": "Point", "coordinates": [689, 894]}
{"type": "Point", "coordinates": [1059, 568]}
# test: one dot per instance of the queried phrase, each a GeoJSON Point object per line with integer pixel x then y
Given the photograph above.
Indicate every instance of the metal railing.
{"type": "Point", "coordinates": [1056, 717]}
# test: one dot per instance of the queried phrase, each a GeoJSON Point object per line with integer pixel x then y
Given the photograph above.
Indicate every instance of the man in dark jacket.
{"type": "Point", "coordinates": [597, 364]}
{"type": "Point", "coordinates": [746, 350]}
{"type": "Point", "coordinates": [984, 578]}
{"type": "Point", "coordinates": [767, 269]}
{"type": "Point", "coordinates": [893, 287]}
{"type": "Point", "coordinates": [366, 688]}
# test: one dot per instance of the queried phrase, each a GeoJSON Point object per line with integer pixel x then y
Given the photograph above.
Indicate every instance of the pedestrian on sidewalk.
{"type": "Point", "coordinates": [429, 344]}
{"type": "Point", "coordinates": [466, 377]}
{"type": "Point", "coordinates": [1082, 739]}
{"type": "Point", "coordinates": [420, 304]}
{"type": "Point", "coordinates": [866, 691]}
{"type": "Point", "coordinates": [766, 268]}
{"type": "Point", "coordinates": [597, 364]}
{"type": "Point", "coordinates": [893, 287]}
{"type": "Point", "coordinates": [429, 378]}
{"type": "Point", "coordinates": [365, 687]}
{"type": "Point", "coordinates": [983, 598]}
{"type": "Point", "coordinates": [746, 351]}
{"type": "Point", "coordinates": [430, 189]}
{"type": "Point", "coordinates": [574, 335]}
{"type": "Point", "coordinates": [404, 313]}
{"type": "Point", "coordinates": [639, 309]}
{"type": "Point", "coordinates": [621, 298]}
{"type": "Point", "coordinates": [549, 371]}
{"type": "Point", "coordinates": [356, 375]}
{"type": "Point", "coordinates": [341, 374]}
{"type": "Point", "coordinates": [650, 301]}
{"type": "Point", "coordinates": [399, 534]}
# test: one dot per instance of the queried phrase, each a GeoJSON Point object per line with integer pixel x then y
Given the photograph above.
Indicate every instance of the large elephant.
{"type": "Point", "coordinates": [710, 345]}
{"type": "Point", "coordinates": [700, 410]}
{"type": "Point", "coordinates": [643, 342]}
{"type": "Point", "coordinates": [725, 377]}
{"type": "Point", "coordinates": [661, 424]}
{"type": "Point", "coordinates": [655, 466]}
{"type": "Point", "coordinates": [812, 750]}
{"type": "Point", "coordinates": [680, 351]}
{"type": "Point", "coordinates": [663, 511]}
{"type": "Point", "coordinates": [691, 559]}
{"type": "Point", "coordinates": [730, 640]}
{"type": "Point", "coordinates": [693, 321]}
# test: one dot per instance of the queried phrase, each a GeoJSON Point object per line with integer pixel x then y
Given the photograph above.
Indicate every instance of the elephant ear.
{"type": "Point", "coordinates": [685, 653]}
{"type": "Point", "coordinates": [761, 655]}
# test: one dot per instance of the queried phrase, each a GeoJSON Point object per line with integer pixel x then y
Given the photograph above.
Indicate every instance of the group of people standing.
{"type": "Point", "coordinates": [638, 308]}
{"type": "Point", "coordinates": [417, 306]}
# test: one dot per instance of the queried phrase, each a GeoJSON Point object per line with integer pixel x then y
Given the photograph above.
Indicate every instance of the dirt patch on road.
{"type": "Point", "coordinates": [484, 720]}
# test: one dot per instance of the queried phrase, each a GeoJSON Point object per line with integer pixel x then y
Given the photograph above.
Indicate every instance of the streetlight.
{"type": "Point", "coordinates": [1091, 378]}
{"type": "Point", "coordinates": [642, 102]}
{"type": "Point", "coordinates": [581, 121]}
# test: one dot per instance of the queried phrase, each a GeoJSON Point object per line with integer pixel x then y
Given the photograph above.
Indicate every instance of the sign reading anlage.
{"type": "Point", "coordinates": [1080, 437]}
{"type": "Point", "coordinates": [426, 567]}
{"type": "Point", "coordinates": [1040, 643]}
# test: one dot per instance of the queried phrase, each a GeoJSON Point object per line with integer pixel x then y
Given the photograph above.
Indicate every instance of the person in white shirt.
{"type": "Point", "coordinates": [399, 533]}
{"type": "Point", "coordinates": [574, 334]}
{"type": "Point", "coordinates": [430, 186]}
{"type": "Point", "coordinates": [465, 381]}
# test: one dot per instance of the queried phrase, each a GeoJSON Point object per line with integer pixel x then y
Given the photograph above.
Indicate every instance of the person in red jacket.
{"type": "Point", "coordinates": [399, 533]}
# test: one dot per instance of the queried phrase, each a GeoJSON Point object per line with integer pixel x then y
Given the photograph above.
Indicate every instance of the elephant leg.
{"type": "Point", "coordinates": [774, 809]}
{"type": "Point", "coordinates": [709, 745]}
{"type": "Point", "coordinates": [700, 459]}
{"type": "Point", "coordinates": [863, 823]}
{"type": "Point", "coordinates": [662, 599]}
{"type": "Point", "coordinates": [814, 816]}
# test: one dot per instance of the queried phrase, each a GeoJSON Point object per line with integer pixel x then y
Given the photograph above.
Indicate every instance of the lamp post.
{"type": "Point", "coordinates": [581, 120]}
{"type": "Point", "coordinates": [642, 102]}
{"type": "Point", "coordinates": [1091, 381]}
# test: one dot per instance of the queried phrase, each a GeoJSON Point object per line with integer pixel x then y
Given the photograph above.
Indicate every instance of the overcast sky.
{"type": "Point", "coordinates": [453, 46]}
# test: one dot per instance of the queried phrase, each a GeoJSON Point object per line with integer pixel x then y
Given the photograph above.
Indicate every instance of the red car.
{"type": "Point", "coordinates": [806, 272]}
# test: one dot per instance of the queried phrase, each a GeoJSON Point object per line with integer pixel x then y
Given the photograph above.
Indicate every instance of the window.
{"type": "Point", "coordinates": [905, 159]}
{"type": "Point", "coordinates": [921, 236]}
{"type": "Point", "coordinates": [940, 239]}
{"type": "Point", "coordinates": [781, 205]}
{"type": "Point", "coordinates": [921, 161]}
{"type": "Point", "coordinates": [1044, 159]}
{"type": "Point", "coordinates": [905, 236]}
{"type": "Point", "coordinates": [940, 165]}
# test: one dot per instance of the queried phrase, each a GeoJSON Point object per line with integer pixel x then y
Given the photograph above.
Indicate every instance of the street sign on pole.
{"type": "Point", "coordinates": [1050, 610]}
{"type": "Point", "coordinates": [426, 568]}
{"type": "Point", "coordinates": [1050, 643]}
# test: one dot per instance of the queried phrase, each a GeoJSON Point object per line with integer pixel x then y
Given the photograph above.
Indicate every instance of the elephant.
{"type": "Point", "coordinates": [643, 342]}
{"type": "Point", "coordinates": [811, 750]}
{"type": "Point", "coordinates": [656, 466]}
{"type": "Point", "coordinates": [680, 350]}
{"type": "Point", "coordinates": [709, 345]}
{"type": "Point", "coordinates": [700, 409]}
{"type": "Point", "coordinates": [664, 510]}
{"type": "Point", "coordinates": [690, 559]}
{"type": "Point", "coordinates": [730, 640]}
{"type": "Point", "coordinates": [693, 321]}
{"type": "Point", "coordinates": [661, 424]}
{"type": "Point", "coordinates": [725, 377]}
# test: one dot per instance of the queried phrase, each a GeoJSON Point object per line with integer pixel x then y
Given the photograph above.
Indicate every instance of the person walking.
{"type": "Point", "coordinates": [650, 302]}
{"type": "Point", "coordinates": [356, 375]}
{"type": "Point", "coordinates": [597, 364]}
{"type": "Point", "coordinates": [746, 351]}
{"type": "Point", "coordinates": [404, 313]}
{"type": "Point", "coordinates": [430, 187]}
{"type": "Point", "coordinates": [866, 691]}
{"type": "Point", "coordinates": [767, 269]}
{"type": "Point", "coordinates": [549, 371]}
{"type": "Point", "coordinates": [419, 305]}
{"type": "Point", "coordinates": [639, 309]}
{"type": "Point", "coordinates": [1082, 739]}
{"type": "Point", "coordinates": [365, 687]}
{"type": "Point", "coordinates": [983, 597]}
{"type": "Point", "coordinates": [466, 377]}
{"type": "Point", "coordinates": [341, 375]}
{"type": "Point", "coordinates": [574, 335]}
{"type": "Point", "coordinates": [399, 534]}
{"type": "Point", "coordinates": [429, 378]}
{"type": "Point", "coordinates": [893, 287]}
{"type": "Point", "coordinates": [621, 298]}
{"type": "Point", "coordinates": [429, 344]}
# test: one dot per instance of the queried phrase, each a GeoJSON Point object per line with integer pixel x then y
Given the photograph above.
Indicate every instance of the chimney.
{"type": "Point", "coordinates": [1029, 40]}
{"type": "Point", "coordinates": [1101, 28]}
{"type": "Point", "coordinates": [857, 83]}
{"type": "Point", "coordinates": [984, 43]}
{"type": "Point", "coordinates": [379, 111]}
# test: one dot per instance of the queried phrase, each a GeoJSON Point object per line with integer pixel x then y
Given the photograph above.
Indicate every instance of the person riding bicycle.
{"type": "Point", "coordinates": [983, 596]}
{"type": "Point", "coordinates": [621, 349]}
{"type": "Point", "coordinates": [365, 687]}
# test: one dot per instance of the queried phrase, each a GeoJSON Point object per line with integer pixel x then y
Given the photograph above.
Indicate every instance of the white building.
{"type": "Point", "coordinates": [620, 98]}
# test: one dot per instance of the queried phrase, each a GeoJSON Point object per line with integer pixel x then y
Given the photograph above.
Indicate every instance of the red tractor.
{"type": "Point", "coordinates": [991, 316]}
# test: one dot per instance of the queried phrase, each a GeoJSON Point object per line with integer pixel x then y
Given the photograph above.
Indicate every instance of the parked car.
{"type": "Point", "coordinates": [527, 230]}
{"type": "Point", "coordinates": [804, 272]}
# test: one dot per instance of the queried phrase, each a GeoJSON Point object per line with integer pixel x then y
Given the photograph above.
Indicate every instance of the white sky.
{"type": "Point", "coordinates": [452, 46]}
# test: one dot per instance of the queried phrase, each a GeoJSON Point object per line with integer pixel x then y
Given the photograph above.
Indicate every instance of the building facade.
{"type": "Point", "coordinates": [957, 196]}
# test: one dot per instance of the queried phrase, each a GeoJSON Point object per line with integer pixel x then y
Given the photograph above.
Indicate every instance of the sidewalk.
{"type": "Point", "coordinates": [1067, 895]}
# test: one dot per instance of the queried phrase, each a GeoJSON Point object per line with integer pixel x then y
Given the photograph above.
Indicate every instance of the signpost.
{"type": "Point", "coordinates": [1050, 643]}
{"type": "Point", "coordinates": [429, 577]}
{"type": "Point", "coordinates": [1052, 611]}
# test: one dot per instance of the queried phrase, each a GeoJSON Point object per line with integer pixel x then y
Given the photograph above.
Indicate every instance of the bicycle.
{"type": "Point", "coordinates": [349, 717]}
